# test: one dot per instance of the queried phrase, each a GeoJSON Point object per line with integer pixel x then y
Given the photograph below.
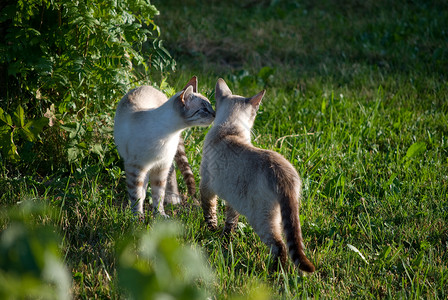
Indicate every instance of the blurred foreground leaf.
{"type": "Point", "coordinates": [30, 261]}
{"type": "Point", "coordinates": [158, 266]}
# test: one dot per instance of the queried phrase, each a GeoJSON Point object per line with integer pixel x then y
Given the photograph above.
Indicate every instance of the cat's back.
{"type": "Point", "coordinates": [265, 161]}
{"type": "Point", "coordinates": [141, 98]}
{"type": "Point", "coordinates": [239, 160]}
{"type": "Point", "coordinates": [127, 126]}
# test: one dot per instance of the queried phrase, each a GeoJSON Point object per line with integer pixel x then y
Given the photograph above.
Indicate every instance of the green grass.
{"type": "Point", "coordinates": [357, 101]}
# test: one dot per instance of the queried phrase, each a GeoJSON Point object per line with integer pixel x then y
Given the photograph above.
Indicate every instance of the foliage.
{"type": "Point", "coordinates": [30, 260]}
{"type": "Point", "coordinates": [14, 125]}
{"type": "Point", "coordinates": [69, 61]}
{"type": "Point", "coordinates": [151, 264]}
{"type": "Point", "coordinates": [162, 268]}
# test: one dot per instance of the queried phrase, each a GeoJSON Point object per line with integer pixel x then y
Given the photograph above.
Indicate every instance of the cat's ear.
{"type": "Point", "coordinates": [221, 89]}
{"type": "Point", "coordinates": [184, 97]}
{"type": "Point", "coordinates": [256, 100]}
{"type": "Point", "coordinates": [193, 83]}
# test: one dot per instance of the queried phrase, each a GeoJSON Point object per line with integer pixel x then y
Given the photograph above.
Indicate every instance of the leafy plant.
{"type": "Point", "coordinates": [150, 264]}
{"type": "Point", "coordinates": [161, 267]}
{"type": "Point", "coordinates": [11, 126]}
{"type": "Point", "coordinates": [78, 56]}
{"type": "Point", "coordinates": [30, 260]}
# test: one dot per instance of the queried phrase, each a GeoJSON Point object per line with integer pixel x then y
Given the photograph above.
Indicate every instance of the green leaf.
{"type": "Point", "coordinates": [98, 149]}
{"type": "Point", "coordinates": [385, 253]}
{"type": "Point", "coordinates": [8, 146]}
{"type": "Point", "coordinates": [15, 67]}
{"type": "Point", "coordinates": [5, 132]}
{"type": "Point", "coordinates": [73, 153]}
{"type": "Point", "coordinates": [74, 128]}
{"type": "Point", "coordinates": [82, 145]}
{"type": "Point", "coordinates": [30, 259]}
{"type": "Point", "coordinates": [2, 115]}
{"type": "Point", "coordinates": [323, 106]}
{"type": "Point", "coordinates": [265, 73]}
{"type": "Point", "coordinates": [416, 149]}
{"type": "Point", "coordinates": [163, 266]}
{"type": "Point", "coordinates": [32, 129]}
{"type": "Point", "coordinates": [417, 262]}
{"type": "Point", "coordinates": [5, 117]}
{"type": "Point", "coordinates": [37, 125]}
{"type": "Point", "coordinates": [29, 136]}
{"type": "Point", "coordinates": [19, 116]}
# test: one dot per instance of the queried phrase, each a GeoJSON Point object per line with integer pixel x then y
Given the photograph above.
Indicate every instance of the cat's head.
{"type": "Point", "coordinates": [235, 109]}
{"type": "Point", "coordinates": [194, 108]}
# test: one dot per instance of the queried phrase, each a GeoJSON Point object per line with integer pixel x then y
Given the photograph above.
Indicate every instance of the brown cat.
{"type": "Point", "coordinates": [258, 183]}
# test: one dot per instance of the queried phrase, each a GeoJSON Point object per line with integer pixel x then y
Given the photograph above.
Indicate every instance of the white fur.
{"type": "Point", "coordinates": [145, 136]}
{"type": "Point", "coordinates": [147, 131]}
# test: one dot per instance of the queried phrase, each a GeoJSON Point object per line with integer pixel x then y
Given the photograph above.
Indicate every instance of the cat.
{"type": "Point", "coordinates": [261, 184]}
{"type": "Point", "coordinates": [147, 133]}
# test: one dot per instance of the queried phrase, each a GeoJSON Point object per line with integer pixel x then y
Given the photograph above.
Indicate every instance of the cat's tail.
{"type": "Point", "coordinates": [291, 223]}
{"type": "Point", "coordinates": [184, 167]}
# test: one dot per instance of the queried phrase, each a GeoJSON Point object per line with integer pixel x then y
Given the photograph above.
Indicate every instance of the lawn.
{"type": "Point", "coordinates": [357, 101]}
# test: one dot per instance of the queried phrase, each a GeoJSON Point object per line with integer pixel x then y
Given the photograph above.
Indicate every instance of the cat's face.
{"type": "Point", "coordinates": [195, 109]}
{"type": "Point", "coordinates": [231, 107]}
{"type": "Point", "coordinates": [198, 110]}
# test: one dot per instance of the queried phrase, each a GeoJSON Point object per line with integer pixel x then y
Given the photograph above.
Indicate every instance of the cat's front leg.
{"type": "Point", "coordinates": [157, 178]}
{"type": "Point", "coordinates": [231, 219]}
{"type": "Point", "coordinates": [208, 203]}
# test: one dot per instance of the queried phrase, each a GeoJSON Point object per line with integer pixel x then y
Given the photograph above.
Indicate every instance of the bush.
{"type": "Point", "coordinates": [64, 64]}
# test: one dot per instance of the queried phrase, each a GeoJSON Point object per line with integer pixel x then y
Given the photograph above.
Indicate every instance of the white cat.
{"type": "Point", "coordinates": [147, 134]}
{"type": "Point", "coordinates": [258, 183]}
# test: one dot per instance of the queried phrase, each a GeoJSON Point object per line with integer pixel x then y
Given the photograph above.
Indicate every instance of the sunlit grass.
{"type": "Point", "coordinates": [356, 100]}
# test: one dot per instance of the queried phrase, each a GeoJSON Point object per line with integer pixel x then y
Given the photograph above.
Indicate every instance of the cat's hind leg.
{"type": "Point", "coordinates": [158, 178]}
{"type": "Point", "coordinates": [136, 182]}
{"type": "Point", "coordinates": [208, 203]}
{"type": "Point", "coordinates": [268, 227]}
{"type": "Point", "coordinates": [231, 219]}
{"type": "Point", "coordinates": [172, 195]}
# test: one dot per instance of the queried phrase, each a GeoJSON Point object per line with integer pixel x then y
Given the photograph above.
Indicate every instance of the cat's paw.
{"type": "Point", "coordinates": [160, 215]}
{"type": "Point", "coordinates": [173, 199]}
{"type": "Point", "coordinates": [212, 225]}
{"type": "Point", "coordinates": [164, 216]}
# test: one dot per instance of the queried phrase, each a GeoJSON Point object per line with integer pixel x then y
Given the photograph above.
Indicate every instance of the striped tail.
{"type": "Point", "coordinates": [291, 224]}
{"type": "Point", "coordinates": [182, 163]}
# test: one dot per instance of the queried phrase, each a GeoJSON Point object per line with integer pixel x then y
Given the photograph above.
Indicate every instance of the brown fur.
{"type": "Point", "coordinates": [182, 163]}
